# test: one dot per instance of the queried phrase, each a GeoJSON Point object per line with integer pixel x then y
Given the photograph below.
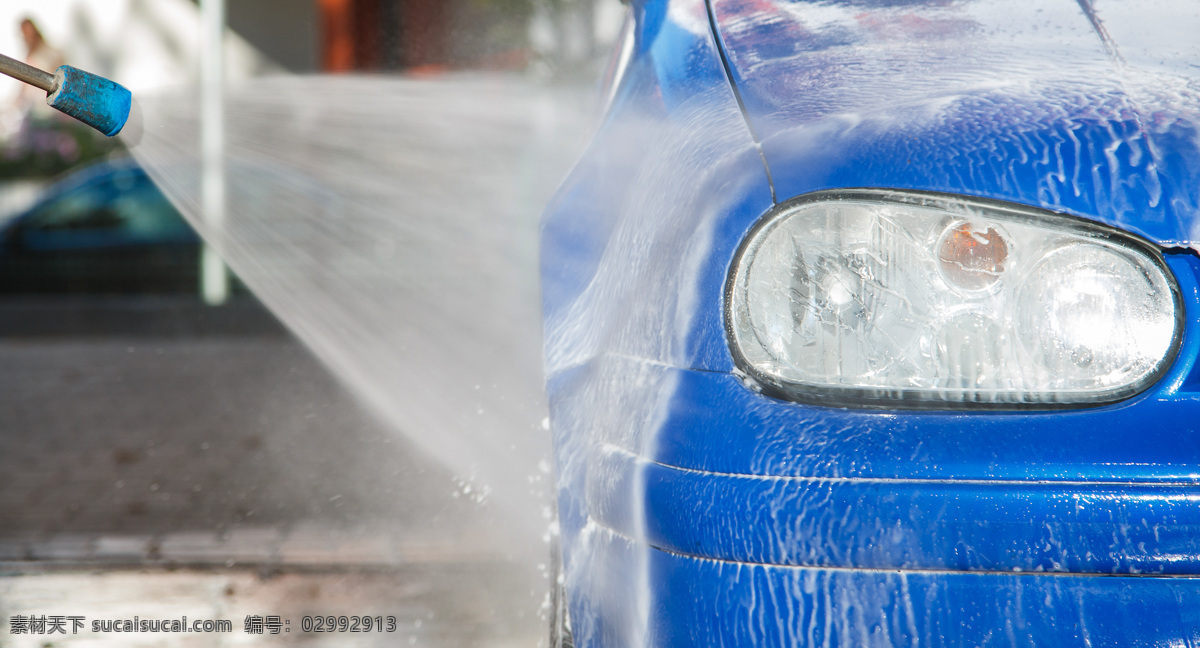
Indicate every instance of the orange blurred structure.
{"type": "Point", "coordinates": [419, 36]}
{"type": "Point", "coordinates": [348, 34]}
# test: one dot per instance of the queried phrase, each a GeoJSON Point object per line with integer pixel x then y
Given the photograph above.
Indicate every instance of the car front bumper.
{"type": "Point", "coordinates": [689, 601]}
{"type": "Point", "coordinates": [696, 511]}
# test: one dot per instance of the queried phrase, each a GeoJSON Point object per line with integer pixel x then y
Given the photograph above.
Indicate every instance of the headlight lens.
{"type": "Point", "coordinates": [871, 297]}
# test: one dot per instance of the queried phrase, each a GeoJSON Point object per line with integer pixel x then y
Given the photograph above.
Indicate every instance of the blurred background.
{"type": "Point", "coordinates": [149, 44]}
{"type": "Point", "coordinates": [167, 453]}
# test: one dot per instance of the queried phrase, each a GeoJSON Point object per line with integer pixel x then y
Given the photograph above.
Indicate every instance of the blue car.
{"type": "Point", "coordinates": [105, 229]}
{"type": "Point", "coordinates": [875, 323]}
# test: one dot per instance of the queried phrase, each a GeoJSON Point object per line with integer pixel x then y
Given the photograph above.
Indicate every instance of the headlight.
{"type": "Point", "coordinates": [885, 298]}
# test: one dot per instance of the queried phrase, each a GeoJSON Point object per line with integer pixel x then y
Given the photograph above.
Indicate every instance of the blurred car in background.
{"type": "Point", "coordinates": [874, 323]}
{"type": "Point", "coordinates": [105, 229]}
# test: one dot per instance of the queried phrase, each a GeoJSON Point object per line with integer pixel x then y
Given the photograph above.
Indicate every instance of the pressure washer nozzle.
{"type": "Point", "coordinates": [93, 100]}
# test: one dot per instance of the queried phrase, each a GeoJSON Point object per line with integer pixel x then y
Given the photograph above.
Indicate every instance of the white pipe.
{"type": "Point", "coordinates": [214, 279]}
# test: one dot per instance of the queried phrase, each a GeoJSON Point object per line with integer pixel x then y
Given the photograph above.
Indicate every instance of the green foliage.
{"type": "Point", "coordinates": [48, 148]}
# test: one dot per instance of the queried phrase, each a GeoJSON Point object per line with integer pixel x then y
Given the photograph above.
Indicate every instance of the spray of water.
{"type": "Point", "coordinates": [392, 225]}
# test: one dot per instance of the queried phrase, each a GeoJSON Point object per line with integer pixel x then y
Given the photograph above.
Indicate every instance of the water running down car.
{"type": "Point", "coordinates": [874, 322]}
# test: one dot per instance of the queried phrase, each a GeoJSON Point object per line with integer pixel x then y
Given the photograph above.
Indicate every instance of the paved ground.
{"type": "Point", "coordinates": [139, 434]}
{"type": "Point", "coordinates": [459, 606]}
{"type": "Point", "coordinates": [207, 451]}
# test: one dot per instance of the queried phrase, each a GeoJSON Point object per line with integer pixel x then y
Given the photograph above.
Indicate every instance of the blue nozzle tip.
{"type": "Point", "coordinates": [93, 100]}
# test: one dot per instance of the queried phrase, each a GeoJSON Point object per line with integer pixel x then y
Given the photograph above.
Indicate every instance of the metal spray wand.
{"type": "Point", "coordinates": [92, 99]}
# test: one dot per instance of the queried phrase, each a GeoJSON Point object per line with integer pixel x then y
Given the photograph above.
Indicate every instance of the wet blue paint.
{"type": "Point", "coordinates": [696, 511]}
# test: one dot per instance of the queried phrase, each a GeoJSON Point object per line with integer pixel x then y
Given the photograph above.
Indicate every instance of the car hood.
{"type": "Point", "coordinates": [1051, 104]}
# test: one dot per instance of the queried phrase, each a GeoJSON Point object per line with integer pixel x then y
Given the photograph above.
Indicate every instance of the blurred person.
{"type": "Point", "coordinates": [31, 101]}
{"type": "Point", "coordinates": [38, 140]}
